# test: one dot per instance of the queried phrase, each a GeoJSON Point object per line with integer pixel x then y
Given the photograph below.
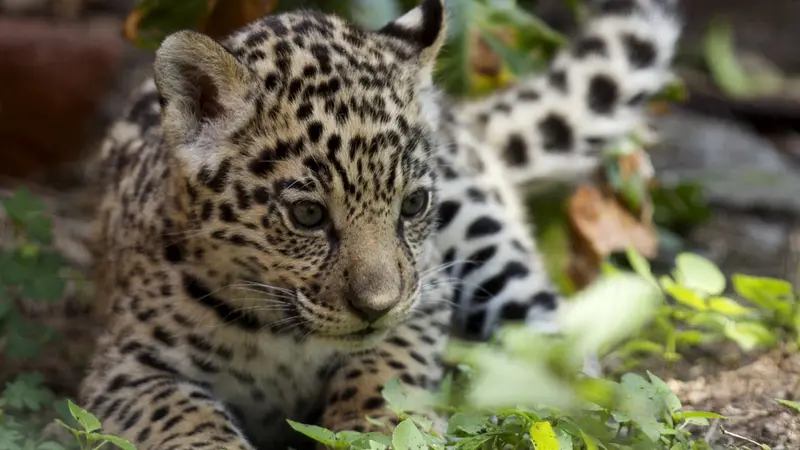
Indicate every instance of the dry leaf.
{"type": "Point", "coordinates": [221, 18]}
{"type": "Point", "coordinates": [602, 226]}
{"type": "Point", "coordinates": [485, 61]}
{"type": "Point", "coordinates": [229, 15]}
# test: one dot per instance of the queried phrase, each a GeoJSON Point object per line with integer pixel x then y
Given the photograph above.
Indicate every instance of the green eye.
{"type": "Point", "coordinates": [415, 204]}
{"type": "Point", "coordinates": [307, 214]}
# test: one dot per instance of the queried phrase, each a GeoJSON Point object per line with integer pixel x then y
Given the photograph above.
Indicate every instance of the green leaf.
{"type": "Point", "coordinates": [5, 307]}
{"type": "Point", "coordinates": [118, 441]}
{"type": "Point", "coordinates": [89, 422]}
{"type": "Point", "coordinates": [40, 229]}
{"type": "Point", "coordinates": [400, 400]}
{"type": "Point", "coordinates": [640, 265]}
{"type": "Point", "coordinates": [369, 441]}
{"type": "Point", "coordinates": [564, 440]}
{"type": "Point", "coordinates": [671, 400]}
{"type": "Point", "coordinates": [9, 439]}
{"type": "Point", "coordinates": [683, 295]}
{"type": "Point", "coordinates": [588, 441]}
{"type": "Point", "coordinates": [768, 293]}
{"type": "Point", "coordinates": [49, 445]}
{"type": "Point", "coordinates": [543, 436]}
{"type": "Point", "coordinates": [642, 406]}
{"type": "Point", "coordinates": [682, 415]}
{"type": "Point", "coordinates": [469, 423]}
{"type": "Point", "coordinates": [48, 287]}
{"type": "Point", "coordinates": [22, 205]}
{"type": "Point", "coordinates": [407, 437]}
{"type": "Point", "coordinates": [698, 273]}
{"type": "Point", "coordinates": [789, 404]}
{"type": "Point", "coordinates": [691, 337]}
{"type": "Point", "coordinates": [750, 335]}
{"type": "Point", "coordinates": [728, 307]}
{"type": "Point", "coordinates": [589, 320]}
{"type": "Point", "coordinates": [319, 434]}
{"type": "Point", "coordinates": [27, 392]}
{"type": "Point", "coordinates": [162, 17]}
{"type": "Point", "coordinates": [19, 342]}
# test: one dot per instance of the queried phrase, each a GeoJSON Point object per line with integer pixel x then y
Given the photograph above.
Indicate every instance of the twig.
{"type": "Point", "coordinates": [746, 439]}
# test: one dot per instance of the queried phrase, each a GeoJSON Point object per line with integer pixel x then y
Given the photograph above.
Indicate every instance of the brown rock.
{"type": "Point", "coordinates": [53, 78]}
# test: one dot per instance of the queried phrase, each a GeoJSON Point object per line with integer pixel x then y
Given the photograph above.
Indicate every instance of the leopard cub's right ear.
{"type": "Point", "coordinates": [201, 85]}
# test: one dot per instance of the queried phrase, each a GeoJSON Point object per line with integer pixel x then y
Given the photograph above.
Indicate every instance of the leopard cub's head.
{"type": "Point", "coordinates": [307, 147]}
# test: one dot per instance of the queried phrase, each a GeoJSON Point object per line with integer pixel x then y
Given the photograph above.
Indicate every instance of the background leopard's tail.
{"type": "Point", "coordinates": [69, 201]}
{"type": "Point", "coordinates": [555, 126]}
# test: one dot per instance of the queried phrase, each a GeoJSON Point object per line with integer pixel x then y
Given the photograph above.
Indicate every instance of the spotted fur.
{"type": "Point", "coordinates": [290, 216]}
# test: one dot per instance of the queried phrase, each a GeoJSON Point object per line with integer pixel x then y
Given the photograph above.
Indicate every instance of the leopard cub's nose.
{"type": "Point", "coordinates": [370, 308]}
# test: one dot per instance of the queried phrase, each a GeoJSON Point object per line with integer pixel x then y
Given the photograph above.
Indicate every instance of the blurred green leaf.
{"type": "Point", "coordinates": [158, 18]}
{"type": "Point", "coordinates": [407, 437]}
{"type": "Point", "coordinates": [789, 404]}
{"type": "Point", "coordinates": [698, 273]}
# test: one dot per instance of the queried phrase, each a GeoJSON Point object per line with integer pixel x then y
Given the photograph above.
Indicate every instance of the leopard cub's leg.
{"type": "Point", "coordinates": [411, 353]}
{"type": "Point", "coordinates": [142, 399]}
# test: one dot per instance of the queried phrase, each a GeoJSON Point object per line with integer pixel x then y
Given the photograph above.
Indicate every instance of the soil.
{"type": "Point", "coordinates": [746, 397]}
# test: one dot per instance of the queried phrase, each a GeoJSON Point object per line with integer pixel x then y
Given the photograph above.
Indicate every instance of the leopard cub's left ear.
{"type": "Point", "coordinates": [424, 27]}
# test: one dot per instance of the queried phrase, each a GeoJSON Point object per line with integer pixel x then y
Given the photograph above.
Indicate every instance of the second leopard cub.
{"type": "Point", "coordinates": [291, 214]}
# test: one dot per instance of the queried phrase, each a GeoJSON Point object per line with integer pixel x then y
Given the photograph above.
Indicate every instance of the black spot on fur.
{"type": "Point", "coordinates": [173, 254]}
{"type": "Point", "coordinates": [203, 295]}
{"type": "Point", "coordinates": [618, 7]}
{"type": "Point", "coordinates": [493, 286]}
{"type": "Point", "coordinates": [484, 226]}
{"type": "Point", "coordinates": [475, 323]}
{"type": "Point", "coordinates": [261, 195]}
{"type": "Point", "coordinates": [558, 80]}
{"type": "Point", "coordinates": [424, 34]}
{"type": "Point", "coordinates": [477, 260]}
{"type": "Point", "coordinates": [447, 212]}
{"type": "Point", "coordinates": [556, 134]}
{"type": "Point", "coordinates": [546, 300]}
{"type": "Point", "coordinates": [263, 164]}
{"type": "Point", "coordinates": [640, 52]}
{"type": "Point", "coordinates": [516, 152]}
{"type": "Point", "coordinates": [638, 99]}
{"type": "Point", "coordinates": [514, 311]}
{"type": "Point", "coordinates": [589, 46]}
{"type": "Point", "coordinates": [373, 403]}
{"type": "Point", "coordinates": [603, 94]}
{"type": "Point", "coordinates": [315, 131]}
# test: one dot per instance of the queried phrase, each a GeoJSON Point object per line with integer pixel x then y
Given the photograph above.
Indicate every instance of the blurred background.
{"type": "Point", "coordinates": [726, 157]}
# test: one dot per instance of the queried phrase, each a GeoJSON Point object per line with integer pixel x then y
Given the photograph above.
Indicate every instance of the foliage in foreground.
{"type": "Point", "coordinates": [760, 313]}
{"type": "Point", "coordinates": [524, 390]}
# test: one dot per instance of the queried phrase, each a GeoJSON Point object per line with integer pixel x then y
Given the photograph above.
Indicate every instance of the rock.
{"type": "Point", "coordinates": [738, 168]}
{"type": "Point", "coordinates": [53, 78]}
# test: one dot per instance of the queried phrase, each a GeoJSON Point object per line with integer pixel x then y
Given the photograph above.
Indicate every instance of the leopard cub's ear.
{"type": "Point", "coordinates": [202, 86]}
{"type": "Point", "coordinates": [424, 27]}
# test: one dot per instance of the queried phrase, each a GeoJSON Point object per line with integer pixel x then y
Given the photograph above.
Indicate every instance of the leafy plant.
{"type": "Point", "coordinates": [524, 390]}
{"type": "Point", "coordinates": [766, 313]}
{"type": "Point", "coordinates": [87, 434]}
{"type": "Point", "coordinates": [32, 270]}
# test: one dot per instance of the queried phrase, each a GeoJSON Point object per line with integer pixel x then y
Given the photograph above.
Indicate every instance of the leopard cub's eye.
{"type": "Point", "coordinates": [307, 214]}
{"type": "Point", "coordinates": [415, 204]}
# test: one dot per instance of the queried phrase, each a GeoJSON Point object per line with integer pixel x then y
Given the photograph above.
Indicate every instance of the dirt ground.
{"type": "Point", "coordinates": [746, 396]}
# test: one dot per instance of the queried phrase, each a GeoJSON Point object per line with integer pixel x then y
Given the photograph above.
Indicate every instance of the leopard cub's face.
{"type": "Point", "coordinates": [308, 148]}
